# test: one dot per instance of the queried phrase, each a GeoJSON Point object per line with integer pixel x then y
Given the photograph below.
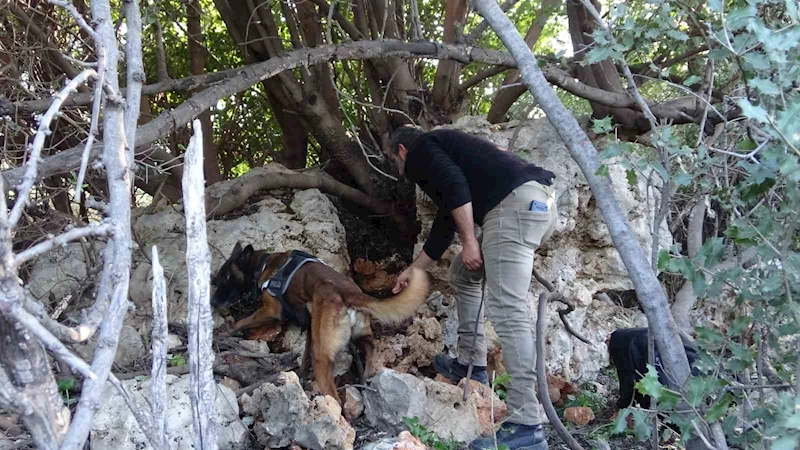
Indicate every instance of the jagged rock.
{"type": "Point", "coordinates": [488, 405]}
{"type": "Point", "coordinates": [173, 340]}
{"type": "Point", "coordinates": [353, 403]}
{"type": "Point", "coordinates": [114, 427]}
{"type": "Point", "coordinates": [396, 396]}
{"type": "Point", "coordinates": [579, 415]}
{"type": "Point", "coordinates": [438, 406]}
{"type": "Point", "coordinates": [278, 408]}
{"type": "Point", "coordinates": [403, 441]}
{"type": "Point", "coordinates": [447, 415]}
{"type": "Point", "coordinates": [325, 427]}
{"type": "Point", "coordinates": [284, 415]}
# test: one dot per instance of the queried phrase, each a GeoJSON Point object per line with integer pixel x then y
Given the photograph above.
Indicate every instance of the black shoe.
{"type": "Point", "coordinates": [514, 437]}
{"type": "Point", "coordinates": [455, 371]}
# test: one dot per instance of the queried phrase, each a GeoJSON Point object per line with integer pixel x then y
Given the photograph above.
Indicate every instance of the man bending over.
{"type": "Point", "coordinates": [474, 182]}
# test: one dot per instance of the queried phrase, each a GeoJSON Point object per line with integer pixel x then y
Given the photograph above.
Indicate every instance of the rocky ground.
{"type": "Point", "coordinates": [262, 403]}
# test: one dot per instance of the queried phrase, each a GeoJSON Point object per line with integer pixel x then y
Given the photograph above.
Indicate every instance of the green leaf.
{"type": "Point", "coordinates": [792, 10]}
{"type": "Point", "coordinates": [793, 422]}
{"type": "Point", "coordinates": [740, 17]}
{"type": "Point", "coordinates": [663, 259]}
{"type": "Point", "coordinates": [632, 177]}
{"type": "Point", "coordinates": [766, 87]}
{"type": "Point", "coordinates": [641, 425]}
{"type": "Point", "coordinates": [720, 408]}
{"type": "Point", "coordinates": [614, 149]}
{"type": "Point", "coordinates": [697, 389]}
{"type": "Point", "coordinates": [747, 145]}
{"type": "Point", "coordinates": [649, 384]}
{"type": "Point", "coordinates": [598, 54]}
{"type": "Point", "coordinates": [678, 35]}
{"type": "Point", "coordinates": [602, 125]}
{"type": "Point", "coordinates": [753, 111]}
{"type": "Point", "coordinates": [788, 442]}
{"type": "Point", "coordinates": [66, 384]}
{"type": "Point", "coordinates": [715, 5]}
{"type": "Point", "coordinates": [621, 422]}
{"type": "Point", "coordinates": [691, 80]}
{"type": "Point", "coordinates": [602, 171]}
{"type": "Point", "coordinates": [757, 61]}
{"type": "Point", "coordinates": [682, 179]}
{"type": "Point", "coordinates": [738, 325]}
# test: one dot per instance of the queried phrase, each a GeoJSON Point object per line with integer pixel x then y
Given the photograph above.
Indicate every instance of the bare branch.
{"type": "Point", "coordinates": [480, 76]}
{"type": "Point", "coordinates": [202, 391]}
{"type": "Point", "coordinates": [95, 229]}
{"type": "Point", "coordinates": [135, 67]}
{"type": "Point", "coordinates": [30, 175]}
{"type": "Point", "coordinates": [159, 340]}
{"type": "Point", "coordinates": [484, 25]}
{"type": "Point", "coordinates": [416, 24]}
{"type": "Point", "coordinates": [112, 298]}
{"type": "Point", "coordinates": [73, 11]}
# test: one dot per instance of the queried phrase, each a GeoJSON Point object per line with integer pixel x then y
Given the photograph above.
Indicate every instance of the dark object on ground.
{"type": "Point", "coordinates": [628, 351]}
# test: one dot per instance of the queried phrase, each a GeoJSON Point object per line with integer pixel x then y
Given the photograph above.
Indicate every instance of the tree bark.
{"type": "Point", "coordinates": [448, 73]}
{"type": "Point", "coordinates": [648, 289]}
{"type": "Point", "coordinates": [197, 64]}
{"type": "Point", "coordinates": [602, 75]}
{"type": "Point", "coordinates": [27, 371]}
{"type": "Point", "coordinates": [508, 94]}
{"type": "Point", "coordinates": [203, 389]}
{"type": "Point", "coordinates": [112, 297]}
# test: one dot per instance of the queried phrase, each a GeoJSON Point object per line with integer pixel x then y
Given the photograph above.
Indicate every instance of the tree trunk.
{"type": "Point", "coordinates": [603, 75]}
{"type": "Point", "coordinates": [448, 73]}
{"type": "Point", "coordinates": [508, 94]}
{"type": "Point", "coordinates": [197, 66]}
{"type": "Point", "coordinates": [307, 103]}
{"type": "Point", "coordinates": [26, 368]}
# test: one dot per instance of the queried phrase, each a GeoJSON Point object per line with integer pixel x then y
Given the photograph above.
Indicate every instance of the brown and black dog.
{"type": "Point", "coordinates": [319, 299]}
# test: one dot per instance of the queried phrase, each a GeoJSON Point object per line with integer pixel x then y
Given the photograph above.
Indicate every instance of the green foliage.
{"type": "Point", "coordinates": [500, 385]}
{"type": "Point", "coordinates": [67, 387]}
{"type": "Point", "coordinates": [176, 361]}
{"type": "Point", "coordinates": [428, 437]}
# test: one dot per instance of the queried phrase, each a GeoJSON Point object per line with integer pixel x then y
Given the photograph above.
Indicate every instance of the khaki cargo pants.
{"type": "Point", "coordinates": [511, 234]}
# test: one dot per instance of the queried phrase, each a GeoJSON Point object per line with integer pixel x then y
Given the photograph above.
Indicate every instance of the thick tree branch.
{"type": "Point", "coordinates": [244, 189]}
{"type": "Point", "coordinates": [480, 76]}
{"type": "Point", "coordinates": [647, 286]}
{"type": "Point", "coordinates": [237, 80]}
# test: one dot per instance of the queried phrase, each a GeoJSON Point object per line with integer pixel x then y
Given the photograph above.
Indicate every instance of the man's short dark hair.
{"type": "Point", "coordinates": [405, 135]}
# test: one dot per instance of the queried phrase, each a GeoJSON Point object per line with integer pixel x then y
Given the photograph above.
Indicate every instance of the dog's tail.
{"type": "Point", "coordinates": [400, 307]}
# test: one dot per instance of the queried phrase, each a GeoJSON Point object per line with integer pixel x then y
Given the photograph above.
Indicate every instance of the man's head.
{"type": "Point", "coordinates": [402, 138]}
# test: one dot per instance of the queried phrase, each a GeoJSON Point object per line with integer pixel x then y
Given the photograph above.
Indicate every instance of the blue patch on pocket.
{"type": "Point", "coordinates": [537, 206]}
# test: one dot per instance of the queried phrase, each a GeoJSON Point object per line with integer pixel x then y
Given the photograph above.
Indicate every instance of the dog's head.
{"type": "Point", "coordinates": [236, 279]}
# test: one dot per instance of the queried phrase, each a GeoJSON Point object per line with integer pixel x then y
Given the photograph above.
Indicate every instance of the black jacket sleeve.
{"type": "Point", "coordinates": [441, 235]}
{"type": "Point", "coordinates": [438, 175]}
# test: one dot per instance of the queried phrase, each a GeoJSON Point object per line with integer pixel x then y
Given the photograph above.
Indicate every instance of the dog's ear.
{"type": "Point", "coordinates": [236, 250]}
{"type": "Point", "coordinates": [246, 253]}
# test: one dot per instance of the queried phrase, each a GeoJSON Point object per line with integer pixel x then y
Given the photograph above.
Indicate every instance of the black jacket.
{"type": "Point", "coordinates": [454, 168]}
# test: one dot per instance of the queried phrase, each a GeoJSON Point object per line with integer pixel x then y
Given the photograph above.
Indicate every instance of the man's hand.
{"type": "Point", "coordinates": [471, 255]}
{"type": "Point", "coordinates": [402, 281]}
{"type": "Point", "coordinates": [423, 262]}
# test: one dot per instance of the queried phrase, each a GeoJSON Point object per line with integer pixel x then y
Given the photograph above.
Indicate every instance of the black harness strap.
{"type": "Point", "coordinates": [277, 285]}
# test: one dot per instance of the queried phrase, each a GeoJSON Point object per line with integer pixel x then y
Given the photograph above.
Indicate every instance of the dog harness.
{"type": "Point", "coordinates": [277, 285]}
